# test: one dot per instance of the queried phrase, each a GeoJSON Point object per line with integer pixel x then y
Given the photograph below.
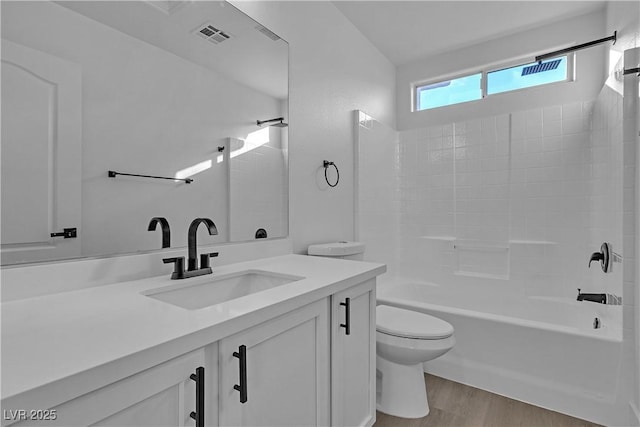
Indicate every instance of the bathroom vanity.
{"type": "Point", "coordinates": [295, 346]}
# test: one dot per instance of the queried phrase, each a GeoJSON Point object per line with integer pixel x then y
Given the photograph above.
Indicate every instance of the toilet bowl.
{"type": "Point", "coordinates": [404, 340]}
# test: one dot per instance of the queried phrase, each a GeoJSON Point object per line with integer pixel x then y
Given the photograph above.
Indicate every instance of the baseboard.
{"type": "Point", "coordinates": [601, 410]}
{"type": "Point", "coordinates": [634, 414]}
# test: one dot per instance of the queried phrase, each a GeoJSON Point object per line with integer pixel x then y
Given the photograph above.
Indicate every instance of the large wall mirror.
{"type": "Point", "coordinates": [194, 92]}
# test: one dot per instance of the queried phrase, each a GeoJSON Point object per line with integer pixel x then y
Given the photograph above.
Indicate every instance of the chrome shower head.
{"type": "Point", "coordinates": [281, 123]}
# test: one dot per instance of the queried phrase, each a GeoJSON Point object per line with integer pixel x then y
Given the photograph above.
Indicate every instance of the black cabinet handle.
{"type": "Point", "coordinates": [67, 233]}
{"type": "Point", "coordinates": [198, 414]}
{"type": "Point", "coordinates": [347, 316]}
{"type": "Point", "coordinates": [242, 388]}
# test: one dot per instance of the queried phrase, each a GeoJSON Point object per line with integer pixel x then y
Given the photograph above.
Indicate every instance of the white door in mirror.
{"type": "Point", "coordinates": [41, 155]}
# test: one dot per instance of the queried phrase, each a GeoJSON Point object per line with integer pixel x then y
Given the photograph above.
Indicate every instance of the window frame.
{"type": "Point", "coordinates": [571, 77]}
{"type": "Point", "coordinates": [415, 86]}
{"type": "Point", "coordinates": [570, 73]}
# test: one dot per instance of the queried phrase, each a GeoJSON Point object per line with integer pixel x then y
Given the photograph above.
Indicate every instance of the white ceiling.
{"type": "Point", "coordinates": [248, 57]}
{"type": "Point", "coordinates": [405, 31]}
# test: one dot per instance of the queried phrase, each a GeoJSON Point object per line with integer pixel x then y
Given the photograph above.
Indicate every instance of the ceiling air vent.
{"type": "Point", "coordinates": [267, 32]}
{"type": "Point", "coordinates": [211, 33]}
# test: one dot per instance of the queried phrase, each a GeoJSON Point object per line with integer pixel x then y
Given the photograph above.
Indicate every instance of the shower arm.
{"type": "Point", "coordinates": [262, 122]}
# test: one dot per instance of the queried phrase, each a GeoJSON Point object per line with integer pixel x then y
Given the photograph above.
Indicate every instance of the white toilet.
{"type": "Point", "coordinates": [404, 340]}
{"type": "Point", "coordinates": [342, 250]}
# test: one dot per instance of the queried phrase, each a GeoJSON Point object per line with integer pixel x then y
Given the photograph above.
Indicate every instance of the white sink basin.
{"type": "Point", "coordinates": [219, 289]}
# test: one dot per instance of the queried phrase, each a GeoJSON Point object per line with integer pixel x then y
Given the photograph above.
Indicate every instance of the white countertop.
{"type": "Point", "coordinates": [57, 347]}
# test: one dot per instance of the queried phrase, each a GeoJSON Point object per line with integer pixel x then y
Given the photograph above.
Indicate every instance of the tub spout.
{"type": "Point", "coordinates": [599, 298]}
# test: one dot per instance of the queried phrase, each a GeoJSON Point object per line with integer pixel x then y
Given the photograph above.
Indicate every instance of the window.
{"type": "Point", "coordinates": [449, 92]}
{"type": "Point", "coordinates": [486, 83]}
{"type": "Point", "coordinates": [527, 75]}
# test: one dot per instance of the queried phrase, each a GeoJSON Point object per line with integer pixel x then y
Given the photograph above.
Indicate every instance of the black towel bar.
{"type": "Point", "coordinates": [113, 174]}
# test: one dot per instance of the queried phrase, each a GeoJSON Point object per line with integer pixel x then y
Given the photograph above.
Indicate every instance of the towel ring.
{"type": "Point", "coordinates": [326, 164]}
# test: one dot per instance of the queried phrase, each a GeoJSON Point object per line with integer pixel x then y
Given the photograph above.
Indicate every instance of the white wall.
{"type": "Point", "coordinates": [625, 18]}
{"type": "Point", "coordinates": [145, 111]}
{"type": "Point", "coordinates": [378, 203]}
{"type": "Point", "coordinates": [524, 45]}
{"type": "Point", "coordinates": [258, 187]}
{"type": "Point", "coordinates": [333, 71]}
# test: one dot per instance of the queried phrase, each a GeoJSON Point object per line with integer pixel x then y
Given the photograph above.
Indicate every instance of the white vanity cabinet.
{"type": "Point", "coordinates": [277, 373]}
{"type": "Point", "coordinates": [162, 396]}
{"type": "Point", "coordinates": [305, 359]}
{"type": "Point", "coordinates": [353, 355]}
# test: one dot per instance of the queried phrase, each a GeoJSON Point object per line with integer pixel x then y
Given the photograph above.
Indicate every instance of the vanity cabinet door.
{"type": "Point", "coordinates": [164, 395]}
{"type": "Point", "coordinates": [277, 373]}
{"type": "Point", "coordinates": [353, 356]}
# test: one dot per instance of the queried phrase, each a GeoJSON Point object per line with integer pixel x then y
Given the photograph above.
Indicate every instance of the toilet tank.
{"type": "Point", "coordinates": [344, 250]}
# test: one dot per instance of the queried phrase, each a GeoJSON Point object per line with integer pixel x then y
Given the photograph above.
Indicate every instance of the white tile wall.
{"type": "Point", "coordinates": [605, 180]}
{"type": "Point", "coordinates": [542, 182]}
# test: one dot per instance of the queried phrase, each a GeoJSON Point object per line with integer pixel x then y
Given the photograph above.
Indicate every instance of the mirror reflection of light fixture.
{"type": "Point", "coordinates": [281, 123]}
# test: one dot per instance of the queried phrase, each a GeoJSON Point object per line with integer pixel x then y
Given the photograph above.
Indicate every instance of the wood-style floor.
{"type": "Point", "coordinates": [457, 405]}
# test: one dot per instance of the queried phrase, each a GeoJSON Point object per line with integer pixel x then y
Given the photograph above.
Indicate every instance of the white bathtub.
{"type": "Point", "coordinates": [539, 350]}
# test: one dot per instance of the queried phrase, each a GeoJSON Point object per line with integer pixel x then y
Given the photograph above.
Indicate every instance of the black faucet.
{"type": "Point", "coordinates": [164, 225]}
{"type": "Point", "coordinates": [192, 261]}
{"type": "Point", "coordinates": [599, 298]}
{"type": "Point", "coordinates": [192, 246]}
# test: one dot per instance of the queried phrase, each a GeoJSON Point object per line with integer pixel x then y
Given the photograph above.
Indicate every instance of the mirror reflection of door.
{"type": "Point", "coordinates": [41, 154]}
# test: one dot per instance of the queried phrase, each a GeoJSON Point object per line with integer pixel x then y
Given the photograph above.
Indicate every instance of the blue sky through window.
{"type": "Point", "coordinates": [512, 78]}
{"type": "Point", "coordinates": [449, 92]}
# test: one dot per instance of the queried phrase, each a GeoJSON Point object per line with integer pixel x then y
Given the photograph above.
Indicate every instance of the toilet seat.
{"type": "Point", "coordinates": [410, 324]}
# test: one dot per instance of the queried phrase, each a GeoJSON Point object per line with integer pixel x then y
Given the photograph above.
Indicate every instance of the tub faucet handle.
{"type": "Point", "coordinates": [603, 257]}
{"type": "Point", "coordinates": [596, 256]}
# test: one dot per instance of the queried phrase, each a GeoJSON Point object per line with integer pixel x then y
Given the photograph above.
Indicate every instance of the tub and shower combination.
{"type": "Point", "coordinates": [478, 231]}
{"type": "Point", "coordinates": [540, 350]}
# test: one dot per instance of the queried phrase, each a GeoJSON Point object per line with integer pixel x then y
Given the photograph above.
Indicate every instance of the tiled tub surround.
{"type": "Point", "coordinates": [510, 197]}
{"type": "Point", "coordinates": [96, 336]}
{"type": "Point", "coordinates": [506, 210]}
{"type": "Point", "coordinates": [524, 198]}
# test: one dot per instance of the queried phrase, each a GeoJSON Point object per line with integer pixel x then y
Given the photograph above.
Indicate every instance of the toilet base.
{"type": "Point", "coordinates": [401, 390]}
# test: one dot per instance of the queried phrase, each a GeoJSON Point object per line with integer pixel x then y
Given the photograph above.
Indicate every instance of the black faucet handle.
{"type": "Point", "coordinates": [204, 259]}
{"type": "Point", "coordinates": [178, 269]}
{"type": "Point", "coordinates": [596, 256]}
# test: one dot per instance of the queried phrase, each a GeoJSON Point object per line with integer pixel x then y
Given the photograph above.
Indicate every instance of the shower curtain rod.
{"type": "Point", "coordinates": [632, 70]}
{"type": "Point", "coordinates": [612, 38]}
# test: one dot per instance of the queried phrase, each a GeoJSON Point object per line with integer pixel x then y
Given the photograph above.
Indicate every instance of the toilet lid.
{"type": "Point", "coordinates": [410, 324]}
